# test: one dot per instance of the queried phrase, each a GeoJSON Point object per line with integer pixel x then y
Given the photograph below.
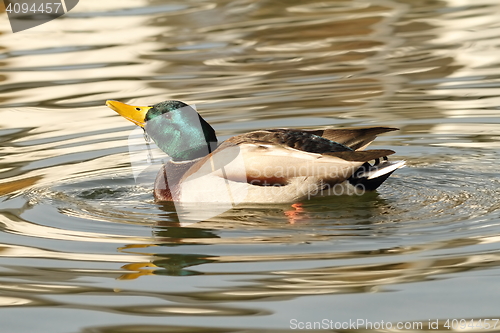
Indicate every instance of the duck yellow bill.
{"type": "Point", "coordinates": [135, 114]}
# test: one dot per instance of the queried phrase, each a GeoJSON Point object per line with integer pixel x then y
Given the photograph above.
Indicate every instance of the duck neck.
{"type": "Point", "coordinates": [168, 179]}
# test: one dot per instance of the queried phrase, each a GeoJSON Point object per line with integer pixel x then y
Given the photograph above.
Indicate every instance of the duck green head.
{"type": "Point", "coordinates": [174, 126]}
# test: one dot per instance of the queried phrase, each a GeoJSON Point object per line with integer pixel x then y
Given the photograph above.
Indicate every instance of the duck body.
{"type": "Point", "coordinates": [265, 166]}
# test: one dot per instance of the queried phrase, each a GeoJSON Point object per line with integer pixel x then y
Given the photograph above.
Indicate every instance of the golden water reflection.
{"type": "Point", "coordinates": [81, 239]}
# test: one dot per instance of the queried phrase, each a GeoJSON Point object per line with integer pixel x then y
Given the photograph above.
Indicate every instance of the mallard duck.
{"type": "Point", "coordinates": [264, 166]}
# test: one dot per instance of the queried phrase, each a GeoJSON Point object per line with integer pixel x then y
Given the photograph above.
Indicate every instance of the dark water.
{"type": "Point", "coordinates": [84, 248]}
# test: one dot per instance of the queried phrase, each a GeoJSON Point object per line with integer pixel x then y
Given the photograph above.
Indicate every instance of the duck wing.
{"type": "Point", "coordinates": [357, 138]}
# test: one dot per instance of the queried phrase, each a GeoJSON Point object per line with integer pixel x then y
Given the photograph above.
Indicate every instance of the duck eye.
{"type": "Point", "coordinates": [138, 109]}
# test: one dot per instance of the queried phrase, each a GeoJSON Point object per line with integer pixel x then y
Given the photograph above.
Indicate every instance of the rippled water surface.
{"type": "Point", "coordinates": [84, 248]}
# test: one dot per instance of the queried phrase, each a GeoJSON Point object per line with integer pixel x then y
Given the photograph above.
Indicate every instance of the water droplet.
{"type": "Point", "coordinates": [147, 138]}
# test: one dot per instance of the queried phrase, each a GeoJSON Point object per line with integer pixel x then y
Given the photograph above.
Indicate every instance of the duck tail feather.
{"type": "Point", "coordinates": [372, 176]}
